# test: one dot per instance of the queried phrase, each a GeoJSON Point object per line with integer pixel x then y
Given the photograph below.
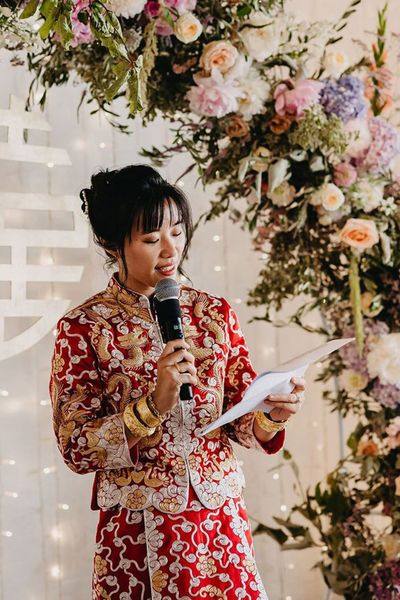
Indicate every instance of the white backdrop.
{"type": "Point", "coordinates": [47, 528]}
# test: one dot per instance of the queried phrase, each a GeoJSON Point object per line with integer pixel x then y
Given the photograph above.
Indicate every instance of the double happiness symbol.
{"type": "Point", "coordinates": [15, 271]}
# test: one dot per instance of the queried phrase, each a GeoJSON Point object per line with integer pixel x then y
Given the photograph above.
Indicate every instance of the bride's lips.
{"type": "Point", "coordinates": [167, 269]}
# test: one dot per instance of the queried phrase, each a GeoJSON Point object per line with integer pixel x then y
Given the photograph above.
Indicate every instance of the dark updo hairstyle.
{"type": "Point", "coordinates": [135, 195]}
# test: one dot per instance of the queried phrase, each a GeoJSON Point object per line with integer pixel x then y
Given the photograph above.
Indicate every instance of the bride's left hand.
{"type": "Point", "coordinates": [287, 405]}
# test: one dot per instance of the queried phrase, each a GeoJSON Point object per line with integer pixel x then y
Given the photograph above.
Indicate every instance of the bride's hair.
{"type": "Point", "coordinates": [134, 196]}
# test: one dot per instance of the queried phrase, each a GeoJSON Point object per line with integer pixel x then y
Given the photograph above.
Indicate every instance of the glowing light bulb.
{"type": "Point", "coordinates": [217, 268]}
{"type": "Point", "coordinates": [50, 165]}
{"type": "Point", "coordinates": [7, 533]}
{"type": "Point", "coordinates": [63, 506]}
{"type": "Point", "coordinates": [275, 476]}
{"type": "Point", "coordinates": [11, 494]}
{"type": "Point", "coordinates": [283, 508]}
{"type": "Point", "coordinates": [54, 332]}
{"type": "Point", "coordinates": [181, 183]}
{"type": "Point", "coordinates": [238, 300]}
{"type": "Point", "coordinates": [216, 238]}
{"type": "Point", "coordinates": [55, 571]}
{"type": "Point", "coordinates": [44, 402]}
{"type": "Point", "coordinates": [4, 393]}
{"type": "Point", "coordinates": [8, 461]}
{"type": "Point", "coordinates": [102, 145]}
{"type": "Point", "coordinates": [56, 534]}
{"type": "Point", "coordinates": [48, 470]}
{"type": "Point", "coordinates": [291, 566]}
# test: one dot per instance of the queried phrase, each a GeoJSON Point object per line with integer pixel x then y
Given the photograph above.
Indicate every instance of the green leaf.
{"type": "Point", "coordinates": [277, 534]}
{"type": "Point", "coordinates": [29, 9]}
{"type": "Point", "coordinates": [49, 10]}
{"type": "Point", "coordinates": [122, 72]}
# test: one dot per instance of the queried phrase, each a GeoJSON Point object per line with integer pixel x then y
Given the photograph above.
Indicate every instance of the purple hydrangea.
{"type": "Point", "coordinates": [387, 395]}
{"type": "Point", "coordinates": [344, 98]}
{"type": "Point", "coordinates": [349, 353]}
{"type": "Point", "coordinates": [384, 583]}
{"type": "Point", "coordinates": [385, 145]}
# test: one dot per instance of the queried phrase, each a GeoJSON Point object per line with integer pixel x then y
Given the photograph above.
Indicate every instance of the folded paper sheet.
{"type": "Point", "coordinates": [275, 382]}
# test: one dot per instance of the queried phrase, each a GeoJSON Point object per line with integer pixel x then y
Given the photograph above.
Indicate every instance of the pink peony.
{"type": "Point", "coordinates": [181, 6]}
{"type": "Point", "coordinates": [213, 96]}
{"type": "Point", "coordinates": [294, 100]}
{"type": "Point", "coordinates": [345, 175]}
{"type": "Point", "coordinates": [82, 33]}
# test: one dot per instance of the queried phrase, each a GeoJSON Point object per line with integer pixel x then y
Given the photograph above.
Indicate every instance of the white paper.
{"type": "Point", "coordinates": [275, 382]}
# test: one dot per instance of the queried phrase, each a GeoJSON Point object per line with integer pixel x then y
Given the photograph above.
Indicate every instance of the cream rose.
{"type": "Point", "coordinates": [126, 8]}
{"type": "Point", "coordinates": [220, 55]}
{"type": "Point", "coordinates": [187, 28]}
{"type": "Point", "coordinates": [329, 196]}
{"type": "Point", "coordinates": [283, 195]}
{"type": "Point", "coordinates": [352, 381]}
{"type": "Point", "coordinates": [263, 39]}
{"type": "Point", "coordinates": [359, 233]}
{"type": "Point", "coordinates": [335, 63]}
{"type": "Point", "coordinates": [391, 545]}
{"type": "Point", "coordinates": [383, 360]}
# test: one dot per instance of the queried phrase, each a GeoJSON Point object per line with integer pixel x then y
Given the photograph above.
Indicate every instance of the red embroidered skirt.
{"type": "Point", "coordinates": [199, 553]}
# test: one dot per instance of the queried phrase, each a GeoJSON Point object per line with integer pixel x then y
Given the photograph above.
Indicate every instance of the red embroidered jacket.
{"type": "Point", "coordinates": [105, 356]}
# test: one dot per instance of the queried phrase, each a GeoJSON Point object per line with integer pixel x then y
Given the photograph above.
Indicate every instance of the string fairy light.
{"type": "Point", "coordinates": [4, 393]}
{"type": "Point", "coordinates": [216, 238]}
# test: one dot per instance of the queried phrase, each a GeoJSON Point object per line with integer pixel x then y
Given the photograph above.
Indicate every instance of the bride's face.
{"type": "Point", "coordinates": [154, 255]}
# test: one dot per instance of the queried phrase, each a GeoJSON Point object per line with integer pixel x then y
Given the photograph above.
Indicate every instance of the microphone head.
{"type": "Point", "coordinates": [166, 289]}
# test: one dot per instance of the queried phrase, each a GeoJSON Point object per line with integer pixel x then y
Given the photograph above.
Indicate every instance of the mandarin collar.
{"type": "Point", "coordinates": [131, 302]}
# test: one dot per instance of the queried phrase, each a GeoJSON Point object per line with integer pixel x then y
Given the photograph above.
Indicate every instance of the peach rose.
{"type": "Point", "coordinates": [279, 124]}
{"type": "Point", "coordinates": [367, 448]}
{"type": "Point", "coordinates": [219, 55]}
{"type": "Point", "coordinates": [359, 233]}
{"type": "Point", "coordinates": [188, 28]}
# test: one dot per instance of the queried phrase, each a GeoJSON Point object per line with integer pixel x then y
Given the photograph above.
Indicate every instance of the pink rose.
{"type": "Point", "coordinates": [213, 96]}
{"type": "Point", "coordinates": [152, 9]}
{"type": "Point", "coordinates": [345, 175]}
{"type": "Point", "coordinates": [359, 233]}
{"type": "Point", "coordinates": [294, 100]}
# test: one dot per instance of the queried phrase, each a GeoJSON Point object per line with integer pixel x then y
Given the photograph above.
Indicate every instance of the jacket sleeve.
{"type": "Point", "coordinates": [238, 376]}
{"type": "Point", "coordinates": [88, 439]}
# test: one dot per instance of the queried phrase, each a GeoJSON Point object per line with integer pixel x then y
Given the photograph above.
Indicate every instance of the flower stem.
{"type": "Point", "coordinates": [355, 298]}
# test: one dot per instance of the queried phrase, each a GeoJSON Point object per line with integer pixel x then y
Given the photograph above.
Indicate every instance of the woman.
{"type": "Point", "coordinates": [172, 522]}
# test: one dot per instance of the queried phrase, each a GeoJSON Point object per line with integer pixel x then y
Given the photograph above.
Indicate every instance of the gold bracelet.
{"type": "Point", "coordinates": [133, 423]}
{"type": "Point", "coordinates": [153, 408]}
{"type": "Point", "coordinates": [145, 414]}
{"type": "Point", "coordinates": [267, 424]}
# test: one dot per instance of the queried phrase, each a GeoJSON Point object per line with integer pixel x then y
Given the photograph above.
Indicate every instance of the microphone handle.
{"type": "Point", "coordinates": [172, 330]}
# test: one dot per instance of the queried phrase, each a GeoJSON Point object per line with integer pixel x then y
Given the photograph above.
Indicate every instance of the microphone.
{"type": "Point", "coordinates": [169, 316]}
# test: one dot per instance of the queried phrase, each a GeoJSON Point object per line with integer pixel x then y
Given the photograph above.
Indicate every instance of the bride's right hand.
{"type": "Point", "coordinates": [175, 367]}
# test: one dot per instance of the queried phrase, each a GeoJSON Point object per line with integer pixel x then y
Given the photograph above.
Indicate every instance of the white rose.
{"type": "Point", "coordinates": [188, 28]}
{"type": "Point", "coordinates": [351, 381]}
{"type": "Point", "coordinates": [369, 195]}
{"type": "Point", "coordinates": [384, 359]}
{"type": "Point", "coordinates": [126, 8]}
{"type": "Point", "coordinates": [329, 196]}
{"type": "Point", "coordinates": [261, 42]}
{"type": "Point", "coordinates": [283, 195]}
{"type": "Point", "coordinates": [335, 63]}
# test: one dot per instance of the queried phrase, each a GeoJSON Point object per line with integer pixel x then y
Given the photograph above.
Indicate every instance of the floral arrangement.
{"type": "Point", "coordinates": [300, 142]}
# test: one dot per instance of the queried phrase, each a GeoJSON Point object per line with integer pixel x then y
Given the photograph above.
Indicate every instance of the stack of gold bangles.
{"type": "Point", "coordinates": [142, 417]}
{"type": "Point", "coordinates": [268, 424]}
